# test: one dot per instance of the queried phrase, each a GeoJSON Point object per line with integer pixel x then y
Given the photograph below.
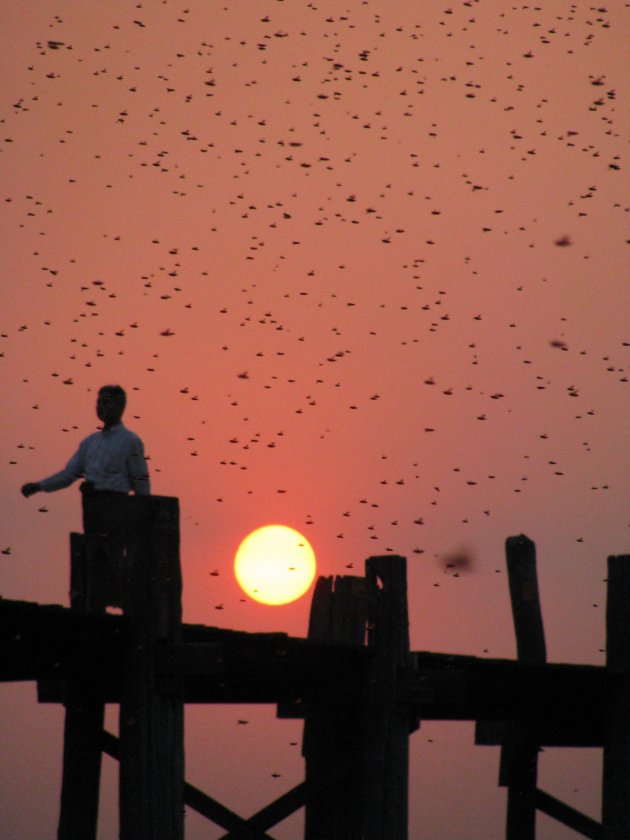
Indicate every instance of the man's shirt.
{"type": "Point", "coordinates": [112, 459]}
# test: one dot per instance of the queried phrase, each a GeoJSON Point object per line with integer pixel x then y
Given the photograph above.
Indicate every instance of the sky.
{"type": "Point", "coordinates": [362, 270]}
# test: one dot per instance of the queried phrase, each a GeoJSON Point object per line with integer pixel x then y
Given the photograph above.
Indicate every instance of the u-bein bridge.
{"type": "Point", "coordinates": [354, 681]}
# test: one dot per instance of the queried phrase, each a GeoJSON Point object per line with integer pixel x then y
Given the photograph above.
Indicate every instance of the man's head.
{"type": "Point", "coordinates": [110, 404]}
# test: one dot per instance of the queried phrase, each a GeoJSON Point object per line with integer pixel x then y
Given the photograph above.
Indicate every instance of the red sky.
{"type": "Point", "coordinates": [407, 225]}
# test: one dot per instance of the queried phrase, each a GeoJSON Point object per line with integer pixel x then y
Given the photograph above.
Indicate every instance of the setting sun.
{"type": "Point", "coordinates": [275, 565]}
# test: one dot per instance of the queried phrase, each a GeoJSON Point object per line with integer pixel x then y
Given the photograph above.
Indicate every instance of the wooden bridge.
{"type": "Point", "coordinates": [354, 681]}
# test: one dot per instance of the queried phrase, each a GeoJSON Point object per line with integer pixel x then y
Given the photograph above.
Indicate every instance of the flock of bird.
{"type": "Point", "coordinates": [315, 206]}
{"type": "Point", "coordinates": [358, 265]}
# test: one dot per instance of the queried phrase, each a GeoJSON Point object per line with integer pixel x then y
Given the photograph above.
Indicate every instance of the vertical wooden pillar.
{"type": "Point", "coordinates": [83, 728]}
{"type": "Point", "coordinates": [528, 624]}
{"type": "Point", "coordinates": [332, 746]}
{"type": "Point", "coordinates": [387, 725]}
{"type": "Point", "coordinates": [616, 777]}
{"type": "Point", "coordinates": [519, 772]}
{"type": "Point", "coordinates": [151, 723]}
{"type": "Point", "coordinates": [519, 753]}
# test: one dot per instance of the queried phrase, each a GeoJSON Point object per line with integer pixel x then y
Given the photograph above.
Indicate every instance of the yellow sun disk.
{"type": "Point", "coordinates": [275, 564]}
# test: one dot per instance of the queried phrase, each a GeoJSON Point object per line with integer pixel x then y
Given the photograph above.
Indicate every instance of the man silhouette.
{"type": "Point", "coordinates": [113, 463]}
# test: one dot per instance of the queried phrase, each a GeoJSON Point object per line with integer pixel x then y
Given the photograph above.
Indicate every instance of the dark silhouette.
{"type": "Point", "coordinates": [112, 463]}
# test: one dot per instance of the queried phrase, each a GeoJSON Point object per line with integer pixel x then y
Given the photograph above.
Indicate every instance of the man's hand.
{"type": "Point", "coordinates": [30, 488]}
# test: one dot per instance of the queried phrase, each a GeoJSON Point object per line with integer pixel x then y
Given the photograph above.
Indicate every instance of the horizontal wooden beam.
{"type": "Point", "coordinates": [556, 733]}
{"type": "Point", "coordinates": [48, 643]}
{"type": "Point", "coordinates": [567, 702]}
{"type": "Point", "coordinates": [496, 689]}
{"type": "Point", "coordinates": [46, 640]}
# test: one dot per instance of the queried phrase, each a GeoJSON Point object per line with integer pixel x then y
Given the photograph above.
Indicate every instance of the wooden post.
{"type": "Point", "coordinates": [616, 776]}
{"type": "Point", "coordinates": [386, 725]}
{"type": "Point", "coordinates": [151, 723]}
{"type": "Point", "coordinates": [528, 624]}
{"type": "Point", "coordinates": [519, 753]}
{"type": "Point", "coordinates": [332, 745]}
{"type": "Point", "coordinates": [84, 715]}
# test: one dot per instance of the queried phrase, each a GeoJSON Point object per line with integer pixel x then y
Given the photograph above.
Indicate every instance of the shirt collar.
{"type": "Point", "coordinates": [113, 429]}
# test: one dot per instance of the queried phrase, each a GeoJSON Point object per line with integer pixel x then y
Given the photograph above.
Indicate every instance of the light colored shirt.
{"type": "Point", "coordinates": [112, 459]}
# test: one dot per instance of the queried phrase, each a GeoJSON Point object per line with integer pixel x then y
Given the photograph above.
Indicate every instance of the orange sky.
{"type": "Point", "coordinates": [408, 229]}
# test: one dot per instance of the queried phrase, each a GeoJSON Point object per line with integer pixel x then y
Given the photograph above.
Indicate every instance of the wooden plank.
{"type": "Point", "coordinates": [588, 732]}
{"type": "Point", "coordinates": [151, 723]}
{"type": "Point", "coordinates": [504, 690]}
{"type": "Point", "coordinates": [616, 775]}
{"type": "Point", "coordinates": [386, 723]}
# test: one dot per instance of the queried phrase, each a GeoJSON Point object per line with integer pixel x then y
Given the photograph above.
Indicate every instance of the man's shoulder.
{"type": "Point", "coordinates": [90, 438]}
{"type": "Point", "coordinates": [129, 434]}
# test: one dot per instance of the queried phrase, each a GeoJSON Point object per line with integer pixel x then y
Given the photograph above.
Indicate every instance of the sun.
{"type": "Point", "coordinates": [275, 564]}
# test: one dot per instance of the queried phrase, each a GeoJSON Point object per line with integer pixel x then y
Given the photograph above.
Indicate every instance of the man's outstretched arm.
{"type": "Point", "coordinates": [64, 478]}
